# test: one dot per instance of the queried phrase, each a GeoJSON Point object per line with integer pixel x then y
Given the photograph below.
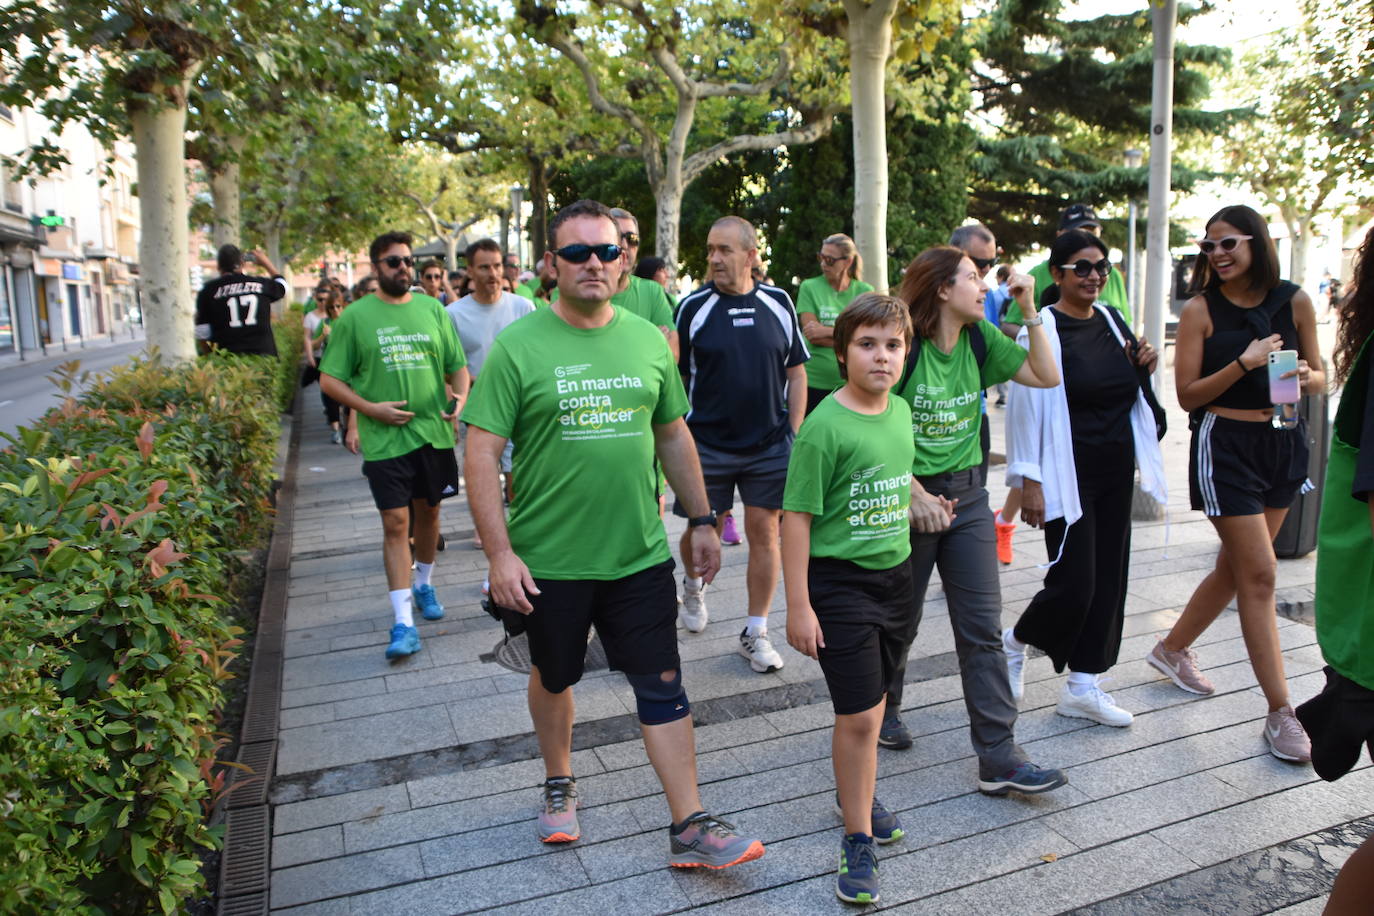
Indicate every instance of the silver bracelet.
{"type": "Point", "coordinates": [1035, 322]}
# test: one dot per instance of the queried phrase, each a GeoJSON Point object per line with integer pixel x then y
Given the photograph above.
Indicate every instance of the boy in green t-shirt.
{"type": "Point", "coordinates": [845, 544]}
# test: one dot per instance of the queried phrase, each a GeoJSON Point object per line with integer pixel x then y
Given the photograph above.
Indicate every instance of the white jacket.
{"type": "Point", "coordinates": [1040, 443]}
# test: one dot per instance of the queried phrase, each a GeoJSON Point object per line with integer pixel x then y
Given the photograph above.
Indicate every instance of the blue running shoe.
{"type": "Point", "coordinates": [404, 641]}
{"type": "Point", "coordinates": [427, 602]}
{"type": "Point", "coordinates": [1027, 778]}
{"type": "Point", "coordinates": [887, 827]}
{"type": "Point", "coordinates": [856, 881]}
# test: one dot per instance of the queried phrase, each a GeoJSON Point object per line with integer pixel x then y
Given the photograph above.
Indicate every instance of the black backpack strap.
{"type": "Point", "coordinates": [913, 354]}
{"type": "Point", "coordinates": [1143, 377]}
{"type": "Point", "coordinates": [976, 341]}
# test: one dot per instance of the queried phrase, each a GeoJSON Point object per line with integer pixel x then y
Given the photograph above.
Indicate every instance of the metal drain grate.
{"type": "Point", "coordinates": [514, 654]}
{"type": "Point", "coordinates": [250, 786]}
{"type": "Point", "coordinates": [247, 847]}
{"type": "Point", "coordinates": [247, 905]}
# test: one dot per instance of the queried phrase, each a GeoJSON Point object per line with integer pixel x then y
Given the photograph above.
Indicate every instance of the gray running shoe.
{"type": "Point", "coordinates": [691, 609]}
{"type": "Point", "coordinates": [558, 816]}
{"type": "Point", "coordinates": [707, 841]}
{"type": "Point", "coordinates": [759, 650]}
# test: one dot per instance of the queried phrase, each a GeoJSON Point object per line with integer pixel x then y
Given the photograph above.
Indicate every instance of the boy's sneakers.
{"type": "Point", "coordinates": [336, 437]}
{"type": "Point", "coordinates": [691, 608]}
{"type": "Point", "coordinates": [1004, 532]}
{"type": "Point", "coordinates": [427, 602]}
{"type": "Point", "coordinates": [1181, 668]}
{"type": "Point", "coordinates": [1093, 703]}
{"type": "Point", "coordinates": [887, 827]}
{"type": "Point", "coordinates": [894, 735]}
{"type": "Point", "coordinates": [729, 532]}
{"type": "Point", "coordinates": [706, 841]}
{"type": "Point", "coordinates": [856, 880]}
{"type": "Point", "coordinates": [558, 817]}
{"type": "Point", "coordinates": [1027, 778]}
{"type": "Point", "coordinates": [404, 641]}
{"type": "Point", "coordinates": [1016, 665]}
{"type": "Point", "coordinates": [1286, 736]}
{"type": "Point", "coordinates": [759, 650]}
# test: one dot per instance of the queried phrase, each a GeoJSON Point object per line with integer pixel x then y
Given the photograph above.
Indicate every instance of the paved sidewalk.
{"type": "Point", "coordinates": [410, 788]}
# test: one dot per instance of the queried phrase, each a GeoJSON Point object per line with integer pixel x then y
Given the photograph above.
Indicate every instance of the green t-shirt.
{"type": "Point", "coordinates": [852, 473]}
{"type": "Point", "coordinates": [818, 297]}
{"type": "Point", "coordinates": [580, 405]}
{"type": "Point", "coordinates": [404, 352]}
{"type": "Point", "coordinates": [524, 289]}
{"type": "Point", "coordinates": [943, 391]}
{"type": "Point", "coordinates": [1113, 293]}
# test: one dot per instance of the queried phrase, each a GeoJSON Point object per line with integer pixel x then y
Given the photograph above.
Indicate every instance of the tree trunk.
{"type": "Point", "coordinates": [870, 40]}
{"type": "Point", "coordinates": [1302, 239]}
{"type": "Point", "coordinates": [227, 227]}
{"type": "Point", "coordinates": [539, 208]}
{"type": "Point", "coordinates": [667, 216]}
{"type": "Point", "coordinates": [160, 141]}
{"type": "Point", "coordinates": [451, 247]}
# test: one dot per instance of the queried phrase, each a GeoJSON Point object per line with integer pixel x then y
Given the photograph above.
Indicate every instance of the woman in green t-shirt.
{"type": "Point", "coordinates": [951, 521]}
{"type": "Point", "coordinates": [819, 302]}
{"type": "Point", "coordinates": [332, 307]}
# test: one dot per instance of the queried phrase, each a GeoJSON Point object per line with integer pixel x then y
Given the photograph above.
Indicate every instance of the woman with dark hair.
{"type": "Point", "coordinates": [333, 306]}
{"type": "Point", "coordinates": [955, 354]}
{"type": "Point", "coordinates": [655, 269]}
{"type": "Point", "coordinates": [819, 302]}
{"type": "Point", "coordinates": [1244, 468]}
{"type": "Point", "coordinates": [1073, 449]}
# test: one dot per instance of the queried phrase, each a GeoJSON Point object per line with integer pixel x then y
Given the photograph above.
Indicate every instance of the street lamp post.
{"type": "Point", "coordinates": [517, 197]}
{"type": "Point", "coordinates": [1133, 160]}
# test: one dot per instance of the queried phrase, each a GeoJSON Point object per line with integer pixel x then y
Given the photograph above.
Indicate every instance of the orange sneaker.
{"type": "Point", "coordinates": [1004, 533]}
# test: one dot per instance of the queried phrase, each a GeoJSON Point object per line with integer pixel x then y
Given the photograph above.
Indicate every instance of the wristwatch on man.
{"type": "Point", "coordinates": [698, 520]}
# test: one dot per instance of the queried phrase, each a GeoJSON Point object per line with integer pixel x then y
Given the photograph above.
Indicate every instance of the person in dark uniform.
{"type": "Point", "coordinates": [234, 310]}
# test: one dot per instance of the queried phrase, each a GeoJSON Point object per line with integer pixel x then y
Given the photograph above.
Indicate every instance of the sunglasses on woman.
{"type": "Point", "coordinates": [1225, 243]}
{"type": "Point", "coordinates": [396, 260]}
{"type": "Point", "coordinates": [1083, 267]}
{"type": "Point", "coordinates": [828, 261]}
{"type": "Point", "coordinates": [580, 254]}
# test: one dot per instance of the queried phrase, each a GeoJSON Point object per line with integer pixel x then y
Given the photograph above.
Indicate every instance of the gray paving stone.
{"type": "Point", "coordinates": [310, 696]}
{"type": "Point", "coordinates": [498, 885]}
{"type": "Point", "coordinates": [601, 826]}
{"type": "Point", "coordinates": [1102, 822]}
{"type": "Point", "coordinates": [352, 665]}
{"type": "Point", "coordinates": [339, 907]}
{"type": "Point", "coordinates": [297, 716]}
{"type": "Point", "coordinates": [450, 692]}
{"type": "Point", "coordinates": [307, 846]}
{"type": "Point", "coordinates": [339, 809]}
{"type": "Point", "coordinates": [434, 790]}
{"type": "Point", "coordinates": [328, 744]}
{"type": "Point", "coordinates": [653, 892]}
{"type": "Point", "coordinates": [345, 875]}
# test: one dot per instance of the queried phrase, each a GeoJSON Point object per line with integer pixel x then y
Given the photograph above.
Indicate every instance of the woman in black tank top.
{"type": "Point", "coordinates": [1243, 471]}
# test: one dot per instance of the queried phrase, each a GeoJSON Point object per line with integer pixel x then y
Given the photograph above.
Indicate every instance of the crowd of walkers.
{"type": "Point", "coordinates": [854, 426]}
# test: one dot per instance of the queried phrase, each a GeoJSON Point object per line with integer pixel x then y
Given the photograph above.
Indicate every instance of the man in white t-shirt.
{"type": "Point", "coordinates": [481, 315]}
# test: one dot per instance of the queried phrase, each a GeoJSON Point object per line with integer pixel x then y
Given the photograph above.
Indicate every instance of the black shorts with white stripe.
{"type": "Point", "coordinates": [1241, 467]}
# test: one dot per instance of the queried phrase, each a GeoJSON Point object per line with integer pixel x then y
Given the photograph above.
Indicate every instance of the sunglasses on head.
{"type": "Point", "coordinates": [1083, 267]}
{"type": "Point", "coordinates": [1226, 243]}
{"type": "Point", "coordinates": [580, 254]}
{"type": "Point", "coordinates": [631, 239]}
{"type": "Point", "coordinates": [396, 260]}
{"type": "Point", "coordinates": [828, 261]}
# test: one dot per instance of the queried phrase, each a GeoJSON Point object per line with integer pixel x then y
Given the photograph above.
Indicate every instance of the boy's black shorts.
{"type": "Point", "coordinates": [636, 618]}
{"type": "Point", "coordinates": [868, 626]}
{"type": "Point", "coordinates": [427, 473]}
{"type": "Point", "coordinates": [1239, 467]}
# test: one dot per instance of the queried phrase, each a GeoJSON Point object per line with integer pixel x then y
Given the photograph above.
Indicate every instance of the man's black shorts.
{"type": "Point", "coordinates": [761, 476]}
{"type": "Point", "coordinates": [427, 473]}
{"type": "Point", "coordinates": [636, 618]}
{"type": "Point", "coordinates": [868, 626]}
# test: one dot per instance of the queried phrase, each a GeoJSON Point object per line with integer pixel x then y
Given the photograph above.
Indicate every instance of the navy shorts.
{"type": "Point", "coordinates": [427, 473]}
{"type": "Point", "coordinates": [868, 624]}
{"type": "Point", "coordinates": [760, 476]}
{"type": "Point", "coordinates": [636, 618]}
{"type": "Point", "coordinates": [1242, 467]}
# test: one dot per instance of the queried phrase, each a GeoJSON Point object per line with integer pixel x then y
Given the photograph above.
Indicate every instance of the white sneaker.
{"type": "Point", "coordinates": [760, 652]}
{"type": "Point", "coordinates": [1016, 666]}
{"type": "Point", "coordinates": [1095, 704]}
{"type": "Point", "coordinates": [691, 609]}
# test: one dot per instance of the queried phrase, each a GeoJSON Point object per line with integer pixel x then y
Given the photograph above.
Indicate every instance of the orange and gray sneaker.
{"type": "Point", "coordinates": [1286, 736]}
{"type": "Point", "coordinates": [1004, 532]}
{"type": "Point", "coordinates": [558, 817]}
{"type": "Point", "coordinates": [706, 841]}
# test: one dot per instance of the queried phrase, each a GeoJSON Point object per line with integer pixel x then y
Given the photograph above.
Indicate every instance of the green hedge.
{"type": "Point", "coordinates": [125, 515]}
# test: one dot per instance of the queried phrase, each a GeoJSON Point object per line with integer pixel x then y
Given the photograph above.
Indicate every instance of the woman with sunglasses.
{"type": "Point", "coordinates": [945, 375]}
{"type": "Point", "coordinates": [1243, 471]}
{"type": "Point", "coordinates": [311, 322]}
{"type": "Point", "coordinates": [819, 302]}
{"type": "Point", "coordinates": [1073, 449]}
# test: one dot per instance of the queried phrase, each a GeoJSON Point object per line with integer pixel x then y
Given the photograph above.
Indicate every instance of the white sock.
{"type": "Point", "coordinates": [692, 585]}
{"type": "Point", "coordinates": [423, 572]}
{"type": "Point", "coordinates": [1080, 683]}
{"type": "Point", "coordinates": [755, 625]}
{"type": "Point", "coordinates": [1011, 642]}
{"type": "Point", "coordinates": [401, 606]}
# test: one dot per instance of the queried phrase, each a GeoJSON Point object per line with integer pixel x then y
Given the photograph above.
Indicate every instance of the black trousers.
{"type": "Point", "coordinates": [331, 408]}
{"type": "Point", "coordinates": [1076, 617]}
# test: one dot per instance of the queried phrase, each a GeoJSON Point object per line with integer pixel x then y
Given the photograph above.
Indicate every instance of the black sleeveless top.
{"type": "Point", "coordinates": [1233, 328]}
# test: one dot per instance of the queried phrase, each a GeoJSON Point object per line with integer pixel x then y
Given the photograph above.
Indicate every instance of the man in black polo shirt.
{"type": "Point", "coordinates": [742, 356]}
{"type": "Point", "coordinates": [234, 311]}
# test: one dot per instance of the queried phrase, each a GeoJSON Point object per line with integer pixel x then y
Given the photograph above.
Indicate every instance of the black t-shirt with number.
{"type": "Point", "coordinates": [238, 309]}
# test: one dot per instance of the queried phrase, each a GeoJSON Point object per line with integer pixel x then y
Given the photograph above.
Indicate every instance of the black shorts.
{"type": "Point", "coordinates": [427, 473]}
{"type": "Point", "coordinates": [1240, 467]}
{"type": "Point", "coordinates": [636, 618]}
{"type": "Point", "coordinates": [868, 626]}
{"type": "Point", "coordinates": [761, 476]}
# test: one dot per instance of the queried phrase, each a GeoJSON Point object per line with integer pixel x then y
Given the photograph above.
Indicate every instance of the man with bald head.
{"type": "Point", "coordinates": [742, 356]}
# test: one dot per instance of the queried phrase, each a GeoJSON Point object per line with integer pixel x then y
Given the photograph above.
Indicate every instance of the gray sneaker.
{"type": "Point", "coordinates": [1016, 665]}
{"type": "Point", "coordinates": [1286, 736]}
{"type": "Point", "coordinates": [691, 608]}
{"type": "Point", "coordinates": [707, 841]}
{"type": "Point", "coordinates": [1181, 668]}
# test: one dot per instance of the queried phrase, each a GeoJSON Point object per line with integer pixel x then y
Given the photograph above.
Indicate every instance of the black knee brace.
{"type": "Point", "coordinates": [659, 701]}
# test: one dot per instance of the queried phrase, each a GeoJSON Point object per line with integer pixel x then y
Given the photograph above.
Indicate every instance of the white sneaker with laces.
{"type": "Point", "coordinates": [691, 609]}
{"type": "Point", "coordinates": [1095, 704]}
{"type": "Point", "coordinates": [760, 652]}
{"type": "Point", "coordinates": [1016, 666]}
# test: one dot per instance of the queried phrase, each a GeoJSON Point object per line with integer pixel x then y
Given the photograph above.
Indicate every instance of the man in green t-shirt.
{"type": "Point", "coordinates": [645, 298]}
{"type": "Point", "coordinates": [394, 359]}
{"type": "Point", "coordinates": [590, 395]}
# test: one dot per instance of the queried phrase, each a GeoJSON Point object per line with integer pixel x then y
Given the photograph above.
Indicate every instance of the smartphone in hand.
{"type": "Point", "coordinates": [1284, 390]}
